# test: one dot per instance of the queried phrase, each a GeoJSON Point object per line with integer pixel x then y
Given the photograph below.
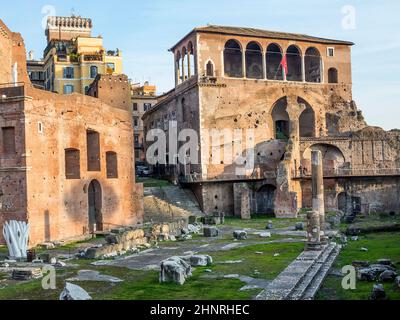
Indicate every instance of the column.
{"type": "Point", "coordinates": [244, 63]}
{"type": "Point", "coordinates": [318, 191]}
{"type": "Point", "coordinates": [303, 69]}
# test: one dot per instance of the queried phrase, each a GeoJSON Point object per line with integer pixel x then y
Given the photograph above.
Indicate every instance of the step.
{"type": "Point", "coordinates": [303, 285]}
{"type": "Point", "coordinates": [286, 282]}
{"type": "Point", "coordinates": [316, 284]}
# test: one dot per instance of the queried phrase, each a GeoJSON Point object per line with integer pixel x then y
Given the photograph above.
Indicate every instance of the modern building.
{"type": "Point", "coordinates": [294, 92]}
{"type": "Point", "coordinates": [66, 162]}
{"type": "Point", "coordinates": [73, 57]}
{"type": "Point", "coordinates": [144, 97]}
{"type": "Point", "coordinates": [36, 71]}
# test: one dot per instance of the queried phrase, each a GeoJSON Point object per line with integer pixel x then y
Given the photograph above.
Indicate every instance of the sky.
{"type": "Point", "coordinates": [145, 30]}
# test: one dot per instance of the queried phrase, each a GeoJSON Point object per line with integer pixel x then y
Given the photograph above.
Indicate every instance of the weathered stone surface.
{"type": "Point", "coordinates": [91, 275]}
{"type": "Point", "coordinates": [210, 232]}
{"type": "Point", "coordinates": [378, 292]}
{"type": "Point", "coordinates": [360, 264]}
{"type": "Point", "coordinates": [199, 260]}
{"type": "Point", "coordinates": [269, 225]}
{"type": "Point", "coordinates": [386, 262]}
{"type": "Point", "coordinates": [397, 282]}
{"type": "Point", "coordinates": [74, 292]}
{"type": "Point", "coordinates": [194, 228]}
{"type": "Point", "coordinates": [387, 276]}
{"type": "Point", "coordinates": [125, 236]}
{"type": "Point", "coordinates": [299, 226]}
{"type": "Point", "coordinates": [240, 235]}
{"type": "Point", "coordinates": [23, 274]}
{"type": "Point", "coordinates": [265, 235]}
{"type": "Point", "coordinates": [175, 269]}
{"type": "Point", "coordinates": [373, 272]}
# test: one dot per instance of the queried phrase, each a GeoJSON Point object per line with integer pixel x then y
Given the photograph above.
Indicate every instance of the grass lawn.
{"type": "Point", "coordinates": [260, 222]}
{"type": "Point", "coordinates": [380, 246]}
{"type": "Point", "coordinates": [141, 285]}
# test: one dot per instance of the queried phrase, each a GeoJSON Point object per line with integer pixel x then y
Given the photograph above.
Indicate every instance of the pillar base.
{"type": "Point", "coordinates": [313, 246]}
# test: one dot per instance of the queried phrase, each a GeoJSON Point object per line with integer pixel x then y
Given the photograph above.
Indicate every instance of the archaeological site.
{"type": "Point", "coordinates": [259, 177]}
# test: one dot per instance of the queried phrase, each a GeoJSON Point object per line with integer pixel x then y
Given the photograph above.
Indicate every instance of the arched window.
{"type": "Point", "coordinates": [312, 63]}
{"type": "Point", "coordinates": [93, 72]}
{"type": "Point", "coordinates": [210, 69]}
{"type": "Point", "coordinates": [72, 164]}
{"type": "Point", "coordinates": [112, 165]}
{"type": "Point", "coordinates": [254, 65]}
{"type": "Point", "coordinates": [191, 60]}
{"type": "Point", "coordinates": [273, 62]}
{"type": "Point", "coordinates": [281, 119]}
{"type": "Point", "coordinates": [233, 60]}
{"type": "Point", "coordinates": [93, 150]}
{"type": "Point", "coordinates": [178, 68]}
{"type": "Point", "coordinates": [333, 76]}
{"type": "Point", "coordinates": [306, 120]}
{"type": "Point", "coordinates": [184, 65]}
{"type": "Point", "coordinates": [293, 56]}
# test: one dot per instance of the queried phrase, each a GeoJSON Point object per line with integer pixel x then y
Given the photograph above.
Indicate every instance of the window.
{"type": "Point", "coordinates": [93, 72]}
{"type": "Point", "coordinates": [331, 52]}
{"type": "Point", "coordinates": [68, 89]}
{"type": "Point", "coordinates": [112, 165]}
{"type": "Point", "coordinates": [8, 134]}
{"type": "Point", "coordinates": [210, 69]}
{"type": "Point", "coordinates": [110, 67]}
{"type": "Point", "coordinates": [233, 59]}
{"type": "Point", "coordinates": [147, 106]}
{"type": "Point", "coordinates": [135, 106]}
{"type": "Point", "coordinates": [191, 60]}
{"type": "Point", "coordinates": [40, 127]}
{"type": "Point", "coordinates": [333, 76]}
{"type": "Point", "coordinates": [93, 150]}
{"type": "Point", "coordinates": [69, 72]}
{"type": "Point", "coordinates": [136, 139]}
{"type": "Point", "coordinates": [135, 121]}
{"type": "Point", "coordinates": [273, 62]}
{"type": "Point", "coordinates": [293, 57]}
{"type": "Point", "coordinates": [72, 164]}
{"type": "Point", "coordinates": [312, 62]}
{"type": "Point", "coordinates": [254, 64]}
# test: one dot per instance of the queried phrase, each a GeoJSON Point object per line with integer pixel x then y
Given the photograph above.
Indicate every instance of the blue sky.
{"type": "Point", "coordinates": [144, 30]}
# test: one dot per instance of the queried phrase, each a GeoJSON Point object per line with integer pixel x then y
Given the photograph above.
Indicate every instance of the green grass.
{"type": "Point", "coordinates": [380, 246]}
{"type": "Point", "coordinates": [144, 285]}
{"type": "Point", "coordinates": [260, 222]}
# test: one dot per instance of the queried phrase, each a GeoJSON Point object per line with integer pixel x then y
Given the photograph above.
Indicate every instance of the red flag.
{"type": "Point", "coordinates": [284, 65]}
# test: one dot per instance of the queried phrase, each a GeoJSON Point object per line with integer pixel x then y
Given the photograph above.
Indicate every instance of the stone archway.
{"type": "Point", "coordinates": [95, 203]}
{"type": "Point", "coordinates": [265, 199]}
{"type": "Point", "coordinates": [281, 120]}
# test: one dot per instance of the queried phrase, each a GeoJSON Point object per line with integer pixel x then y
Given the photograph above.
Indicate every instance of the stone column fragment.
{"type": "Point", "coordinates": [318, 203]}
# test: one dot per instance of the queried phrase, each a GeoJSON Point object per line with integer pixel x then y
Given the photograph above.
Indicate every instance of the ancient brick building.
{"type": "Point", "coordinates": [295, 92]}
{"type": "Point", "coordinates": [66, 162]}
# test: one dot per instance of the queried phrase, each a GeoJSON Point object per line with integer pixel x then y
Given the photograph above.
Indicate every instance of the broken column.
{"type": "Point", "coordinates": [318, 203]}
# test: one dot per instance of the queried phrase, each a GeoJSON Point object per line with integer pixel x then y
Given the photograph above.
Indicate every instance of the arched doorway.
{"type": "Point", "coordinates": [332, 158]}
{"type": "Point", "coordinates": [265, 199]}
{"type": "Point", "coordinates": [280, 118]}
{"type": "Point", "coordinates": [306, 120]}
{"type": "Point", "coordinates": [95, 205]}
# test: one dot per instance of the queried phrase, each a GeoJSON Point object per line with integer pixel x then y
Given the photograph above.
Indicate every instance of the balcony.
{"type": "Point", "coordinates": [227, 177]}
{"type": "Point", "coordinates": [93, 57]}
{"type": "Point", "coordinates": [349, 173]}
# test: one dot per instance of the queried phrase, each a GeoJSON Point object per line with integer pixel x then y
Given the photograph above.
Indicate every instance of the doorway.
{"type": "Point", "coordinates": [95, 205]}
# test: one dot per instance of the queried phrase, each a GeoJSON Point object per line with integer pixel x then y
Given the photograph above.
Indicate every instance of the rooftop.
{"type": "Point", "coordinates": [259, 33]}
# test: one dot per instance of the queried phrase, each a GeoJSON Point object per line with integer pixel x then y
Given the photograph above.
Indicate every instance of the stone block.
{"type": "Point", "coordinates": [210, 232]}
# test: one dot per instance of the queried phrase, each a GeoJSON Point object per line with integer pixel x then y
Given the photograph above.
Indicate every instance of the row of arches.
{"type": "Point", "coordinates": [251, 63]}
{"type": "Point", "coordinates": [185, 63]}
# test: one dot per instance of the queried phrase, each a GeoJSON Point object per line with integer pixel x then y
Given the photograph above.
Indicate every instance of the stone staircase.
{"type": "Point", "coordinates": [302, 279]}
{"type": "Point", "coordinates": [169, 203]}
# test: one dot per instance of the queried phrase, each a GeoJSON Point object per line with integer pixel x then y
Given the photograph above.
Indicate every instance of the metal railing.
{"type": "Point", "coordinates": [350, 172]}
{"type": "Point", "coordinates": [196, 177]}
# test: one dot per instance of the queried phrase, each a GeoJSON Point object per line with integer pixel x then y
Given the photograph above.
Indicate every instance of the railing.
{"type": "Point", "coordinates": [342, 172]}
{"type": "Point", "coordinates": [12, 90]}
{"type": "Point", "coordinates": [93, 57]}
{"type": "Point", "coordinates": [196, 177]}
